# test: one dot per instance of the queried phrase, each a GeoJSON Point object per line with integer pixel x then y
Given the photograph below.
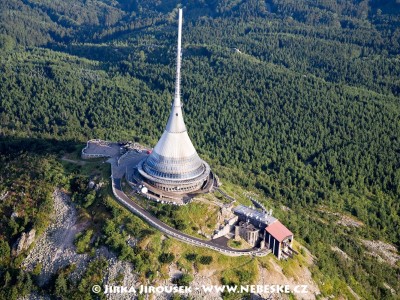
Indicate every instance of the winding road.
{"type": "Point", "coordinates": [119, 166]}
{"type": "Point", "coordinates": [116, 178]}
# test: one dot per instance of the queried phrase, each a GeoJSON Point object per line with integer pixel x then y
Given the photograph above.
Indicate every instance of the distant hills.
{"type": "Point", "coordinates": [38, 22]}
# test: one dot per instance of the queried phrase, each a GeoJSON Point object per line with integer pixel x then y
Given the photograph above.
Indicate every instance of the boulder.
{"type": "Point", "coordinates": [23, 242]}
{"type": "Point", "coordinates": [92, 184]}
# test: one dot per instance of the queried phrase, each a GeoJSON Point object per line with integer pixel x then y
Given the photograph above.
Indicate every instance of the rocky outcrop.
{"type": "Point", "coordinates": [23, 242]}
{"type": "Point", "coordinates": [4, 195]}
{"type": "Point", "coordinates": [55, 248]}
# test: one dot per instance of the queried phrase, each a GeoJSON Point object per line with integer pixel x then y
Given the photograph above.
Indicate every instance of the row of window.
{"type": "Point", "coordinates": [175, 189]}
{"type": "Point", "coordinates": [188, 175]}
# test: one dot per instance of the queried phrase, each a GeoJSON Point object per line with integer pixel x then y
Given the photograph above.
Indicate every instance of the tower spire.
{"type": "Point", "coordinates": [177, 98]}
{"type": "Point", "coordinates": [175, 121]}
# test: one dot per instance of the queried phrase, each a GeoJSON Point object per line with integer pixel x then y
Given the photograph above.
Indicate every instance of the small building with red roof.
{"type": "Point", "coordinates": [279, 239]}
{"type": "Point", "coordinates": [272, 233]}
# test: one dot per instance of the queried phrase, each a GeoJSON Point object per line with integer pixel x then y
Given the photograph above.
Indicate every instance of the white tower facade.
{"type": "Point", "coordinates": [174, 164]}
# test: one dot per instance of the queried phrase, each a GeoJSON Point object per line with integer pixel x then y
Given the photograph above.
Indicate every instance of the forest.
{"type": "Point", "coordinates": [297, 100]}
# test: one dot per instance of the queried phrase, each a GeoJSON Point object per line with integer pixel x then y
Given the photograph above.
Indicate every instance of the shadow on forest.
{"type": "Point", "coordinates": [101, 53]}
{"type": "Point", "coordinates": [39, 146]}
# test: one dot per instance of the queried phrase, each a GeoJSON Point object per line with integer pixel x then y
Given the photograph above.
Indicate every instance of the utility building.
{"type": "Point", "coordinates": [259, 219]}
{"type": "Point", "coordinates": [251, 225]}
{"type": "Point", "coordinates": [272, 234]}
{"type": "Point", "coordinates": [279, 239]}
{"type": "Point", "coordinates": [247, 232]}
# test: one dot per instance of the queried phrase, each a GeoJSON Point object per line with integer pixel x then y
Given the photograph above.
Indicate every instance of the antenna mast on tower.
{"type": "Point", "coordinates": [177, 99]}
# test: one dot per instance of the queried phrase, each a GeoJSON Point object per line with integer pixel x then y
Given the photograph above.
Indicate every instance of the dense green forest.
{"type": "Point", "coordinates": [307, 111]}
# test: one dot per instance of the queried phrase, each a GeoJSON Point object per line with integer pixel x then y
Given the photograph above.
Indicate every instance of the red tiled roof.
{"type": "Point", "coordinates": [278, 231]}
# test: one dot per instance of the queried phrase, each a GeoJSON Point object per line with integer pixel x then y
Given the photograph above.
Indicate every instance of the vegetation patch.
{"type": "Point", "coordinates": [82, 241]}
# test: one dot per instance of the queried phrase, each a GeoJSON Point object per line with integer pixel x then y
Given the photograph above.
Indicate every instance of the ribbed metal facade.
{"type": "Point", "coordinates": [175, 169]}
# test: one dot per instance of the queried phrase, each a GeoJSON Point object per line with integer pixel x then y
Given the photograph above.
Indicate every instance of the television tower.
{"type": "Point", "coordinates": [174, 165]}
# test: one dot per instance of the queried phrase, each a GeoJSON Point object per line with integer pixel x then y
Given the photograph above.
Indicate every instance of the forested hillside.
{"type": "Point", "coordinates": [298, 99]}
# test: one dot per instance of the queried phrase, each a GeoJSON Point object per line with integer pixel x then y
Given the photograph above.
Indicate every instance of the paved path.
{"type": "Point", "coordinates": [117, 175]}
{"type": "Point", "coordinates": [118, 170]}
{"type": "Point", "coordinates": [226, 195]}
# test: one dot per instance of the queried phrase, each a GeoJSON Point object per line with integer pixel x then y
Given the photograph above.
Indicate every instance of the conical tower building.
{"type": "Point", "coordinates": [174, 165]}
